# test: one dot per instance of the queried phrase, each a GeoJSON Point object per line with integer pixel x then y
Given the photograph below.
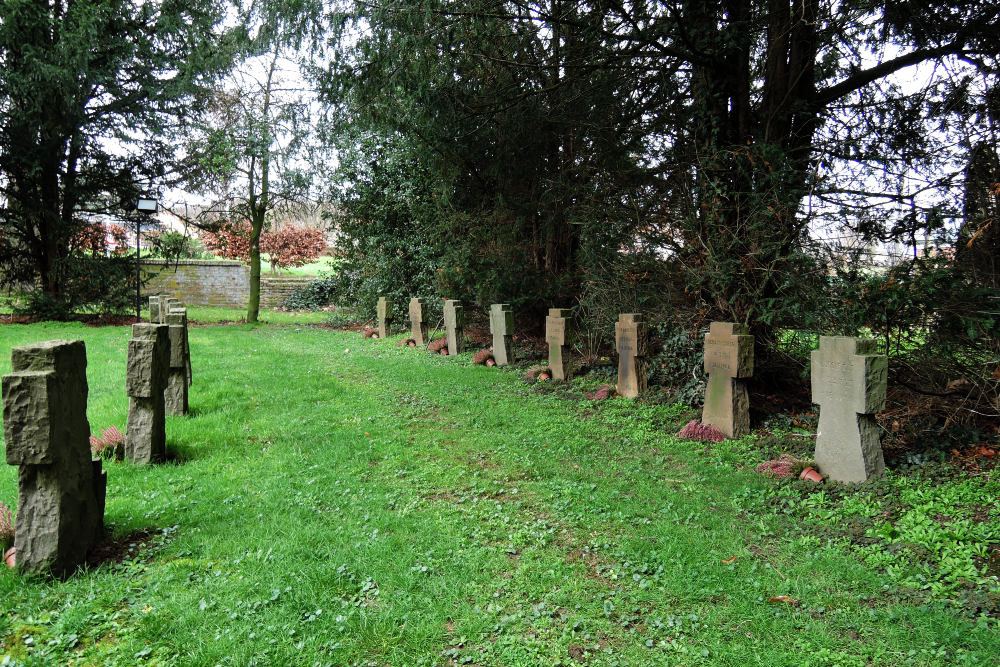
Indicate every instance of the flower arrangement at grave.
{"type": "Point", "coordinates": [695, 430]}
{"type": "Point", "coordinates": [438, 346]}
{"type": "Point", "coordinates": [406, 342]}
{"type": "Point", "coordinates": [484, 357]}
{"type": "Point", "coordinates": [370, 332]}
{"type": "Point", "coordinates": [110, 444]}
{"type": "Point", "coordinates": [538, 374]}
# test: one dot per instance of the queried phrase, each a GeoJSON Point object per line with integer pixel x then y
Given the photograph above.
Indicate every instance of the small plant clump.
{"type": "Point", "coordinates": [603, 392]}
{"type": "Point", "coordinates": [783, 467]}
{"type": "Point", "coordinates": [695, 430]}
{"type": "Point", "coordinates": [406, 342]}
{"type": "Point", "coordinates": [6, 527]}
{"type": "Point", "coordinates": [111, 444]}
{"type": "Point", "coordinates": [538, 374]}
{"type": "Point", "coordinates": [370, 332]}
{"type": "Point", "coordinates": [438, 346]}
{"type": "Point", "coordinates": [483, 357]}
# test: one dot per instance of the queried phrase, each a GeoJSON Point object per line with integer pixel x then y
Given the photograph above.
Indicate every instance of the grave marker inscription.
{"type": "Point", "coordinates": [849, 384]}
{"type": "Point", "coordinates": [557, 335]}
{"type": "Point", "coordinates": [502, 328]}
{"type": "Point", "coordinates": [418, 328]}
{"type": "Point", "coordinates": [631, 342]}
{"type": "Point", "coordinates": [728, 361]}
{"type": "Point", "coordinates": [454, 324]}
{"type": "Point", "coordinates": [384, 313]}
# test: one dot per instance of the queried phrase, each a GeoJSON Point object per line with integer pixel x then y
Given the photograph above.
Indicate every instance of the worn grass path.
{"type": "Point", "coordinates": [335, 500]}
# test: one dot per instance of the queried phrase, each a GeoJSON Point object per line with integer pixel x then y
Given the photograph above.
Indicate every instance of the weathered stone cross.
{"type": "Point", "coordinates": [631, 343]}
{"type": "Point", "coordinates": [146, 379]}
{"type": "Point", "coordinates": [384, 316]}
{"type": "Point", "coordinates": [557, 335]}
{"type": "Point", "coordinates": [418, 328]}
{"type": "Point", "coordinates": [728, 360]}
{"type": "Point", "coordinates": [848, 383]}
{"type": "Point", "coordinates": [175, 395]}
{"type": "Point", "coordinates": [61, 489]}
{"type": "Point", "coordinates": [454, 325]}
{"type": "Point", "coordinates": [502, 328]}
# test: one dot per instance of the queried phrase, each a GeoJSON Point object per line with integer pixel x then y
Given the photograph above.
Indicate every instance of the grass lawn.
{"type": "Point", "coordinates": [336, 500]}
{"type": "Point", "coordinates": [321, 265]}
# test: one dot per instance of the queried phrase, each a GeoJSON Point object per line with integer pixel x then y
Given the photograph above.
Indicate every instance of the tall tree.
{"type": "Point", "coordinates": [252, 150]}
{"type": "Point", "coordinates": [90, 92]}
{"type": "Point", "coordinates": [700, 126]}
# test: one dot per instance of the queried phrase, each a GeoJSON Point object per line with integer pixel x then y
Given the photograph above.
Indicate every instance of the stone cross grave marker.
{"type": "Point", "coordinates": [631, 341]}
{"type": "Point", "coordinates": [728, 361]}
{"type": "Point", "coordinates": [454, 325]}
{"type": "Point", "coordinates": [147, 372]}
{"type": "Point", "coordinates": [384, 313]}
{"type": "Point", "coordinates": [848, 383]}
{"type": "Point", "coordinates": [61, 489]}
{"type": "Point", "coordinates": [557, 335]}
{"type": "Point", "coordinates": [166, 305]}
{"type": "Point", "coordinates": [502, 328]}
{"type": "Point", "coordinates": [154, 309]}
{"type": "Point", "coordinates": [418, 328]}
{"type": "Point", "coordinates": [175, 396]}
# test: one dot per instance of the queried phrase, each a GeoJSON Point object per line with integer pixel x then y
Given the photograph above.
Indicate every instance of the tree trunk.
{"type": "Point", "coordinates": [253, 303]}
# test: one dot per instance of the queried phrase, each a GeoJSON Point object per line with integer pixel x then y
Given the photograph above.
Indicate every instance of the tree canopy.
{"type": "Point", "coordinates": [92, 93]}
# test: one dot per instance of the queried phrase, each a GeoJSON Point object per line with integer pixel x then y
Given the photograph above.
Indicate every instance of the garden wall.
{"type": "Point", "coordinates": [200, 282]}
{"type": "Point", "coordinates": [214, 283]}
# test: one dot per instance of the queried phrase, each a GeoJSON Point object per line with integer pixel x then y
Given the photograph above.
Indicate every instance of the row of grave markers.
{"type": "Point", "coordinates": [848, 377]}
{"type": "Point", "coordinates": [61, 487]}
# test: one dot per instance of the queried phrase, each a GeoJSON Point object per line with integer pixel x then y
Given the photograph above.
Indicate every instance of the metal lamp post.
{"type": "Point", "coordinates": [147, 206]}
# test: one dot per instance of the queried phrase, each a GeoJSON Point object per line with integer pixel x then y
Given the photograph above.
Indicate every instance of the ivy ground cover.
{"type": "Point", "coordinates": [334, 500]}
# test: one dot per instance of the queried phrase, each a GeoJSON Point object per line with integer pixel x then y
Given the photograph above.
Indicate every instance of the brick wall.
{"type": "Point", "coordinates": [214, 283]}
{"type": "Point", "coordinates": [200, 282]}
{"type": "Point", "coordinates": [273, 293]}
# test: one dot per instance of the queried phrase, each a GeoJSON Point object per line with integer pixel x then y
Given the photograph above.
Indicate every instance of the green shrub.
{"type": "Point", "coordinates": [317, 294]}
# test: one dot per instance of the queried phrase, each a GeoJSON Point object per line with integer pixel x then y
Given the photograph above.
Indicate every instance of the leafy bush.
{"type": "Point", "coordinates": [314, 295]}
{"type": "Point", "coordinates": [93, 284]}
{"type": "Point", "coordinates": [175, 245]}
{"type": "Point", "coordinates": [679, 364]}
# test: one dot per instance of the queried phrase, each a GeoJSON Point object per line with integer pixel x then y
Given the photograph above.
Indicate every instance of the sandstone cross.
{"type": "Point", "coordinates": [557, 335]}
{"type": "Point", "coordinates": [167, 303]}
{"type": "Point", "coordinates": [61, 489]}
{"type": "Point", "coordinates": [148, 366]}
{"type": "Point", "coordinates": [848, 383]}
{"type": "Point", "coordinates": [384, 316]}
{"type": "Point", "coordinates": [418, 328]}
{"type": "Point", "coordinates": [454, 325]}
{"type": "Point", "coordinates": [175, 396]}
{"type": "Point", "coordinates": [502, 328]}
{"type": "Point", "coordinates": [728, 361]}
{"type": "Point", "coordinates": [631, 341]}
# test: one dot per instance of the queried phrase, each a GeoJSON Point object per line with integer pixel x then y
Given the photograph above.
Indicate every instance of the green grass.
{"type": "Point", "coordinates": [322, 264]}
{"type": "Point", "coordinates": [210, 314]}
{"type": "Point", "coordinates": [336, 500]}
